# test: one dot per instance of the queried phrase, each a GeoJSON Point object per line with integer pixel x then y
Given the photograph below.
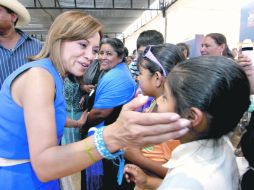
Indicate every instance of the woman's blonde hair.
{"type": "Point", "coordinates": [68, 26]}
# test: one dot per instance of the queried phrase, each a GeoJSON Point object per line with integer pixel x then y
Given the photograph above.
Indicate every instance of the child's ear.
{"type": "Point", "coordinates": [196, 116]}
{"type": "Point", "coordinates": [159, 79]}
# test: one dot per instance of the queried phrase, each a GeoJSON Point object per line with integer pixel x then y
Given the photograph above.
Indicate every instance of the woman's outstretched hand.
{"type": "Point", "coordinates": [135, 129]}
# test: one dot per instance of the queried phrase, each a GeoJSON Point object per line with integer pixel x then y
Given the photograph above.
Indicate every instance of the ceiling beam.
{"type": "Point", "coordinates": [38, 5]}
{"type": "Point", "coordinates": [97, 8]}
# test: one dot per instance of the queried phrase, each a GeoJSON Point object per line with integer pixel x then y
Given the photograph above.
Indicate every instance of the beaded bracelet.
{"type": "Point", "coordinates": [251, 107]}
{"type": "Point", "coordinates": [105, 153]}
{"type": "Point", "coordinates": [101, 147]}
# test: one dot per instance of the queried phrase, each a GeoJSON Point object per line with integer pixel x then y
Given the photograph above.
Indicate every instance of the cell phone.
{"type": "Point", "coordinates": [246, 48]}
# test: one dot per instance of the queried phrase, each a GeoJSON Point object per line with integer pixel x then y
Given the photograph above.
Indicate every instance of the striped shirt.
{"type": "Point", "coordinates": [11, 59]}
{"type": "Point", "coordinates": [134, 69]}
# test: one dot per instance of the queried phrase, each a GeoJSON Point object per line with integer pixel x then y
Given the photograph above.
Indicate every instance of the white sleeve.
{"type": "Point", "coordinates": [180, 181]}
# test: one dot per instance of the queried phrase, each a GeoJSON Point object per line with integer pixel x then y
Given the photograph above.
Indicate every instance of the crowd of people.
{"type": "Point", "coordinates": [79, 112]}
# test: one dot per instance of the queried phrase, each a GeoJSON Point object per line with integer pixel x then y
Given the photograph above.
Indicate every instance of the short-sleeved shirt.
{"type": "Point", "coordinates": [11, 59]}
{"type": "Point", "coordinates": [115, 88]}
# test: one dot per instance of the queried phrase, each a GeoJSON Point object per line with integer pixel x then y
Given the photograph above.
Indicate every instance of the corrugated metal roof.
{"type": "Point", "coordinates": [115, 15]}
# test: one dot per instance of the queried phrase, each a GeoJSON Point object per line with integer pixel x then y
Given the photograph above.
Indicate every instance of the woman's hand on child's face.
{"type": "Point", "coordinates": [134, 129]}
{"type": "Point", "coordinates": [135, 174]}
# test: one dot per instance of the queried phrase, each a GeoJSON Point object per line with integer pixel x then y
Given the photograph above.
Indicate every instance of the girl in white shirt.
{"type": "Point", "coordinates": [213, 93]}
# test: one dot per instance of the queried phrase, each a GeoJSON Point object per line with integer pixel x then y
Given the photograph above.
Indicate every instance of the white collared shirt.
{"type": "Point", "coordinates": [202, 165]}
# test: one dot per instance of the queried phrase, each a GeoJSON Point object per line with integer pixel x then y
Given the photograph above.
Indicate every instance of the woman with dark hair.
{"type": "Point", "coordinates": [205, 158]}
{"type": "Point", "coordinates": [215, 44]}
{"type": "Point", "coordinates": [185, 49]}
{"type": "Point", "coordinates": [115, 88]}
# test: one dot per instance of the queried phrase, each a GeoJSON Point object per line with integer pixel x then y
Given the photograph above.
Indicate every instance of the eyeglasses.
{"type": "Point", "coordinates": [149, 55]}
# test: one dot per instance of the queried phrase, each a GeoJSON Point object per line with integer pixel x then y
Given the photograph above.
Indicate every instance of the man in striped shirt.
{"type": "Point", "coordinates": [15, 45]}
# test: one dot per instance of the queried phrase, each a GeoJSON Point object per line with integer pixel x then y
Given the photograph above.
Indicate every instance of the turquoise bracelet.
{"type": "Point", "coordinates": [105, 153]}
{"type": "Point", "coordinates": [101, 147]}
{"type": "Point", "coordinates": [251, 106]}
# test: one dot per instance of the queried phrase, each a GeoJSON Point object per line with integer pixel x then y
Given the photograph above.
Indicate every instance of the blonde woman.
{"type": "Point", "coordinates": [32, 113]}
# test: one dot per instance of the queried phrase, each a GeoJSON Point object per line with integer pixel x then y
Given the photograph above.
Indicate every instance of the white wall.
{"type": "Point", "coordinates": [185, 18]}
{"type": "Point", "coordinates": [158, 23]}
